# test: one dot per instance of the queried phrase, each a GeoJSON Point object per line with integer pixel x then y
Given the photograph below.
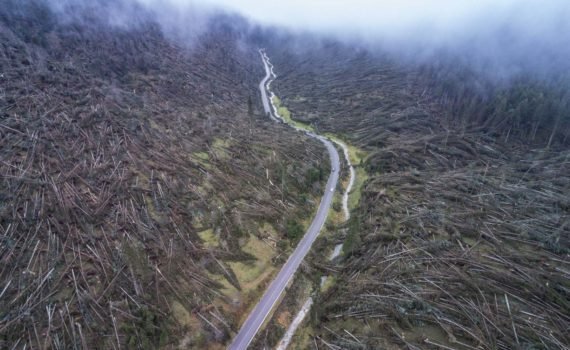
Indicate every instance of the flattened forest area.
{"type": "Point", "coordinates": [462, 234]}
{"type": "Point", "coordinates": [144, 198]}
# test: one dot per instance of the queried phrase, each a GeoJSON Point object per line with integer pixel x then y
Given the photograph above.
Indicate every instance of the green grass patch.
{"type": "Point", "coordinates": [353, 239]}
{"type": "Point", "coordinates": [201, 155]}
{"type": "Point", "coordinates": [250, 275]}
{"type": "Point", "coordinates": [356, 193]}
{"type": "Point", "coordinates": [286, 115]}
{"type": "Point", "coordinates": [356, 155]}
{"type": "Point", "coordinates": [331, 280]}
{"type": "Point", "coordinates": [303, 338]}
{"type": "Point", "coordinates": [336, 214]}
{"type": "Point", "coordinates": [209, 239]}
{"type": "Point", "coordinates": [154, 214]}
{"type": "Point", "coordinates": [202, 158]}
{"type": "Point", "coordinates": [220, 147]}
{"type": "Point", "coordinates": [181, 314]}
{"type": "Point", "coordinates": [269, 230]}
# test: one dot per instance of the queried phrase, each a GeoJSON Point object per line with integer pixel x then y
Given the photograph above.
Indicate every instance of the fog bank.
{"type": "Point", "coordinates": [507, 36]}
{"type": "Point", "coordinates": [502, 38]}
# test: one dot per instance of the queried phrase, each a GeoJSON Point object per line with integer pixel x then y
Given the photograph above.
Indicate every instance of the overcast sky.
{"type": "Point", "coordinates": [512, 35]}
{"type": "Point", "coordinates": [393, 16]}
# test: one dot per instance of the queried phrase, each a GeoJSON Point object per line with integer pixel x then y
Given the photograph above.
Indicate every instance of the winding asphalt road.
{"type": "Point", "coordinates": [262, 310]}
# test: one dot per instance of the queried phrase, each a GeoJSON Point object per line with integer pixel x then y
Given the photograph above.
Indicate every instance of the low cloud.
{"type": "Point", "coordinates": [500, 37]}
{"type": "Point", "coordinates": [506, 36]}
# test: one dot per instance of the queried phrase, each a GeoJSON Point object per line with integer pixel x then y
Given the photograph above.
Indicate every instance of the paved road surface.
{"type": "Point", "coordinates": [276, 288]}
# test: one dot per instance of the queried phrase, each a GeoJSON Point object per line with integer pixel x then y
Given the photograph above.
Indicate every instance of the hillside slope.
{"type": "Point", "coordinates": [462, 234]}
{"type": "Point", "coordinates": [141, 191]}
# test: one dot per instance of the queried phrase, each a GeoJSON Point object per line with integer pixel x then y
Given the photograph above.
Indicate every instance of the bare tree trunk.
{"type": "Point", "coordinates": [554, 129]}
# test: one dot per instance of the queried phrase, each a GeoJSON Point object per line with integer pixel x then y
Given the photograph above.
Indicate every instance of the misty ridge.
{"type": "Point", "coordinates": [183, 24]}
{"type": "Point", "coordinates": [500, 41]}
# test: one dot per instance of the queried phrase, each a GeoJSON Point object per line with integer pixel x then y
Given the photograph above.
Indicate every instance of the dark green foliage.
{"type": "Point", "coordinates": [146, 331]}
{"type": "Point", "coordinates": [294, 230]}
{"type": "Point", "coordinates": [337, 206]}
{"type": "Point", "coordinates": [314, 175]}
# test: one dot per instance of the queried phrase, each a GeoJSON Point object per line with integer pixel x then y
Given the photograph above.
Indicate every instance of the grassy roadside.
{"type": "Point", "coordinates": [286, 115]}
{"type": "Point", "coordinates": [357, 157]}
{"type": "Point", "coordinates": [282, 317]}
